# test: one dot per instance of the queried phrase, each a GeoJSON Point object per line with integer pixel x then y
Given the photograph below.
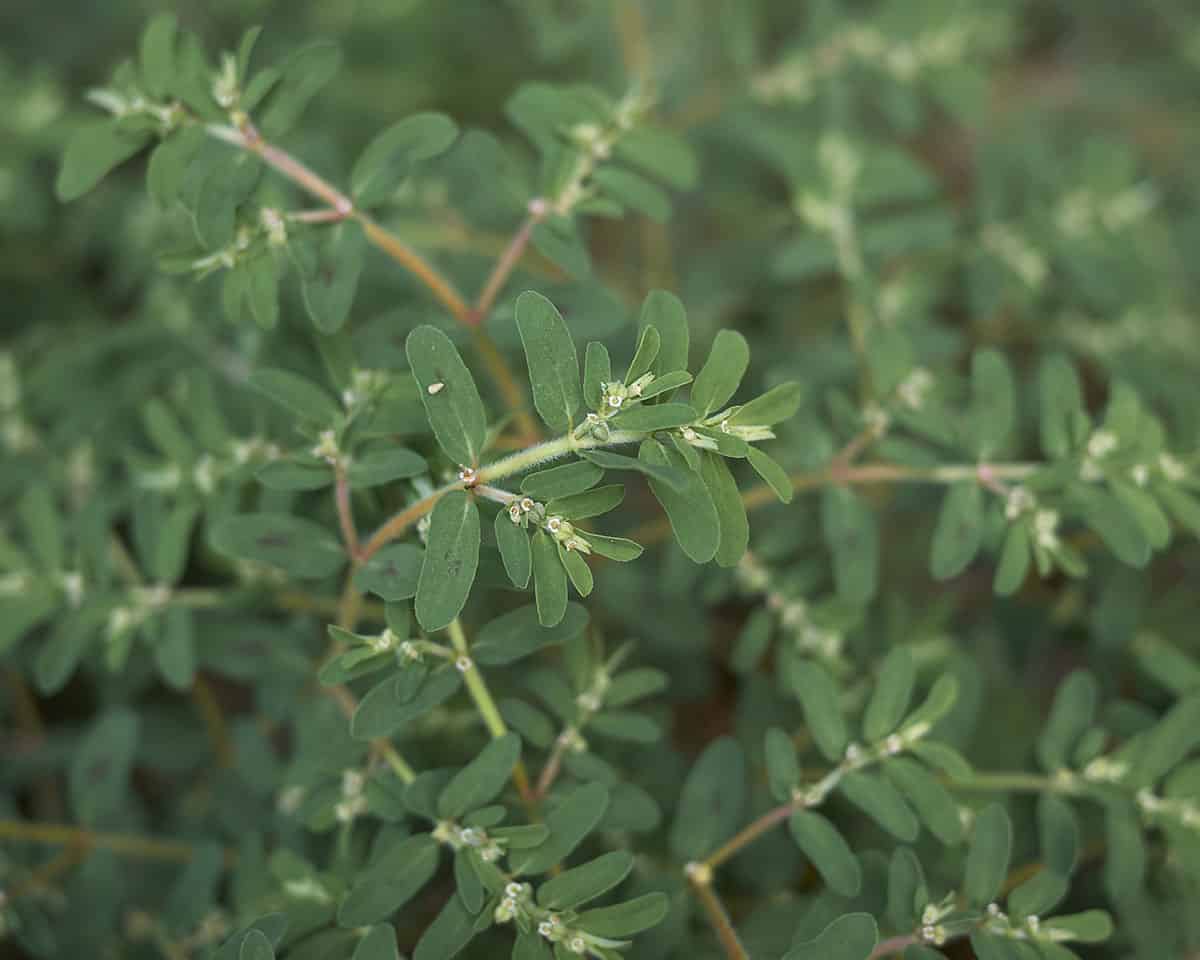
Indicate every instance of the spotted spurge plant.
{"type": "Point", "coordinates": [835, 607]}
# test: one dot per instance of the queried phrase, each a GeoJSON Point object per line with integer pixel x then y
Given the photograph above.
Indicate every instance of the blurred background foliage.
{"type": "Point", "coordinates": [1031, 185]}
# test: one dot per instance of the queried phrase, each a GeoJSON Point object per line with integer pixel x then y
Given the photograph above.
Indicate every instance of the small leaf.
{"type": "Point", "coordinates": [297, 395]}
{"type": "Point", "coordinates": [648, 344]}
{"type": "Point", "coordinates": [513, 543]}
{"type": "Point", "coordinates": [660, 153]}
{"type": "Point", "coordinates": [515, 635]}
{"type": "Point", "coordinates": [597, 371]}
{"type": "Point", "coordinates": [382, 712]}
{"type": "Point", "coordinates": [377, 467]}
{"type": "Point", "coordinates": [665, 312]}
{"type": "Point", "coordinates": [647, 419]}
{"type": "Point", "coordinates": [301, 78]}
{"type": "Point", "coordinates": [776, 405]}
{"type": "Point", "coordinates": [579, 573]}
{"type": "Point", "coordinates": [393, 573]}
{"type": "Point", "coordinates": [691, 511]}
{"type": "Point", "coordinates": [1039, 894]}
{"type": "Point", "coordinates": [256, 946]}
{"type": "Point", "coordinates": [449, 394]}
{"type": "Point", "coordinates": [932, 801]}
{"type": "Point", "coordinates": [625, 919]}
{"type": "Point", "coordinates": [1071, 714]}
{"type": "Point", "coordinates": [731, 510]}
{"type": "Point", "coordinates": [890, 698]}
{"type": "Point", "coordinates": [390, 157]}
{"type": "Point", "coordinates": [482, 779]}
{"type": "Point", "coordinates": [852, 535]}
{"type": "Point", "coordinates": [938, 702]}
{"type": "Point", "coordinates": [959, 531]}
{"type": "Point", "coordinates": [553, 363]}
{"type": "Point", "coordinates": [329, 280]}
{"type": "Point", "coordinates": [1091, 926]}
{"type": "Point", "coordinates": [549, 581]}
{"type": "Point", "coordinates": [783, 768]}
{"type": "Point", "coordinates": [1166, 743]}
{"type": "Point", "coordinates": [673, 477]}
{"type": "Point", "coordinates": [772, 474]}
{"type": "Point", "coordinates": [175, 654]}
{"type": "Point", "coordinates": [1061, 406]}
{"type": "Point", "coordinates": [98, 779]}
{"type": "Point", "coordinates": [91, 153]}
{"type": "Point", "coordinates": [157, 54]}
{"type": "Point", "coordinates": [452, 929]}
{"type": "Point", "coordinates": [993, 403]}
{"type": "Point", "coordinates": [711, 801]}
{"type": "Point", "coordinates": [614, 548]}
{"type": "Point", "coordinates": [591, 503]}
{"type": "Point", "coordinates": [850, 937]}
{"type": "Point", "coordinates": [1117, 527]}
{"type": "Point", "coordinates": [722, 372]}
{"type": "Point", "coordinates": [1058, 830]}
{"type": "Point", "coordinates": [451, 559]}
{"type": "Point", "coordinates": [1015, 557]}
{"type": "Point", "coordinates": [569, 823]}
{"type": "Point", "coordinates": [300, 547]}
{"type": "Point", "coordinates": [581, 884]}
{"type": "Point", "coordinates": [563, 481]}
{"type": "Point", "coordinates": [378, 944]}
{"type": "Point", "coordinates": [818, 694]}
{"type": "Point", "coordinates": [988, 855]}
{"type": "Point", "coordinates": [882, 802]}
{"type": "Point", "coordinates": [633, 191]}
{"type": "Point", "coordinates": [827, 851]}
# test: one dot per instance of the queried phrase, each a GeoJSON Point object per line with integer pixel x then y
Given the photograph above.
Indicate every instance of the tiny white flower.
{"type": "Point", "coordinates": [1101, 443]}
{"type": "Point", "coordinates": [463, 664]}
{"type": "Point", "coordinates": [435, 388]}
{"type": "Point", "coordinates": [1172, 468]}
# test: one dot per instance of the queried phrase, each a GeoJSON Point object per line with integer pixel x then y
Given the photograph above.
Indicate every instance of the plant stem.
{"type": "Point", "coordinates": [507, 262]}
{"type": "Point", "coordinates": [1013, 783]}
{"type": "Point", "coordinates": [486, 706]}
{"type": "Point", "coordinates": [885, 948]}
{"type": "Point", "coordinates": [345, 510]}
{"type": "Point", "coordinates": [719, 919]}
{"type": "Point", "coordinates": [124, 844]}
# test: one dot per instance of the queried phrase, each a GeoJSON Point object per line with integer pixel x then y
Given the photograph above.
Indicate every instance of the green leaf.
{"type": "Point", "coordinates": [553, 363]}
{"type": "Point", "coordinates": [175, 654]}
{"type": "Point", "coordinates": [452, 929]}
{"type": "Point", "coordinates": [660, 153]}
{"type": "Point", "coordinates": [98, 778]}
{"type": "Point", "coordinates": [614, 548]}
{"type": "Point", "coordinates": [1072, 713]}
{"type": "Point", "coordinates": [297, 395]}
{"type": "Point", "coordinates": [482, 779]}
{"type": "Point", "coordinates": [380, 466]}
{"type": "Point", "coordinates": [1182, 506]}
{"type": "Point", "coordinates": [581, 884]}
{"type": "Point", "coordinates": [827, 851]}
{"type": "Point", "coordinates": [647, 419]}
{"type": "Point", "coordinates": [300, 547]}
{"type": "Point", "coordinates": [1125, 854]}
{"type": "Point", "coordinates": [852, 535]}
{"type": "Point", "coordinates": [722, 372]}
{"type": "Point", "coordinates": [882, 802]}
{"type": "Point", "coordinates": [591, 503]}
{"type": "Point", "coordinates": [731, 510]}
{"type": "Point", "coordinates": [1166, 743]}
{"type": "Point", "coordinates": [383, 711]}
{"type": "Point", "coordinates": [597, 371]}
{"type": "Point", "coordinates": [262, 290]}
{"type": "Point", "coordinates": [1146, 513]}
{"type": "Point", "coordinates": [569, 822]}
{"type": "Point", "coordinates": [390, 157]}
{"type": "Point", "coordinates": [466, 881]}
{"type": "Point", "coordinates": [648, 344]}
{"type": "Point", "coordinates": [938, 702]}
{"type": "Point", "coordinates": [711, 801]}
{"type": "Point", "coordinates": [776, 405]}
{"type": "Point", "coordinates": [579, 573]}
{"type": "Point", "coordinates": [563, 481]}
{"type": "Point", "coordinates": [451, 559]}
{"type": "Point", "coordinates": [625, 919]}
{"type": "Point", "coordinates": [558, 240]}
{"type": "Point", "coordinates": [91, 153]}
{"type": "Point", "coordinates": [818, 694]}
{"type": "Point", "coordinates": [531, 946]}
{"type": "Point", "coordinates": [256, 946]}
{"type": "Point", "coordinates": [1108, 517]}
{"type": "Point", "coordinates": [301, 78]}
{"type": "Point", "coordinates": [959, 531]}
{"type": "Point", "coordinates": [942, 757]}
{"type": "Point", "coordinates": [633, 191]}
{"type": "Point", "coordinates": [988, 855]}
{"type": "Point", "coordinates": [1091, 926]}
{"type": "Point", "coordinates": [674, 477]}
{"type": "Point", "coordinates": [1061, 406]}
{"type": "Point", "coordinates": [329, 278]}
{"type": "Point", "coordinates": [169, 162]}
{"type": "Point", "coordinates": [515, 635]}
{"type": "Point", "coordinates": [513, 543]}
{"type": "Point", "coordinates": [993, 403]}
{"type": "Point", "coordinates": [932, 801]}
{"type": "Point", "coordinates": [1039, 894]}
{"type": "Point", "coordinates": [907, 891]}
{"type": "Point", "coordinates": [42, 525]}
{"type": "Point", "coordinates": [549, 580]}
{"type": "Point", "coordinates": [454, 409]}
{"type": "Point", "coordinates": [292, 476]}
{"type": "Point", "coordinates": [1058, 830]}
{"type": "Point", "coordinates": [690, 510]}
{"type": "Point", "coordinates": [378, 944]}
{"type": "Point", "coordinates": [1015, 557]}
{"type": "Point", "coordinates": [664, 311]}
{"type": "Point", "coordinates": [783, 768]}
{"type": "Point", "coordinates": [157, 54]}
{"type": "Point", "coordinates": [389, 882]}
{"type": "Point", "coordinates": [772, 474]}
{"type": "Point", "coordinates": [393, 573]}
{"type": "Point", "coordinates": [850, 937]}
{"type": "Point", "coordinates": [891, 696]}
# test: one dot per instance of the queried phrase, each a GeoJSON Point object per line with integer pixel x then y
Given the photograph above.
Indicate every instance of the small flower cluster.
{"type": "Point", "coordinates": [518, 905]}
{"type": "Point", "coordinates": [526, 512]}
{"type": "Point", "coordinates": [456, 837]}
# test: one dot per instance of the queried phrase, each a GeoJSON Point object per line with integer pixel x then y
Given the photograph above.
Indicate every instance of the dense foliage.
{"type": "Point", "coordinates": [391, 562]}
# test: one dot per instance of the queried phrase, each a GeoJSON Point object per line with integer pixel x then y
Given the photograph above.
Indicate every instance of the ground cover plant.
{"type": "Point", "coordinates": [601, 479]}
